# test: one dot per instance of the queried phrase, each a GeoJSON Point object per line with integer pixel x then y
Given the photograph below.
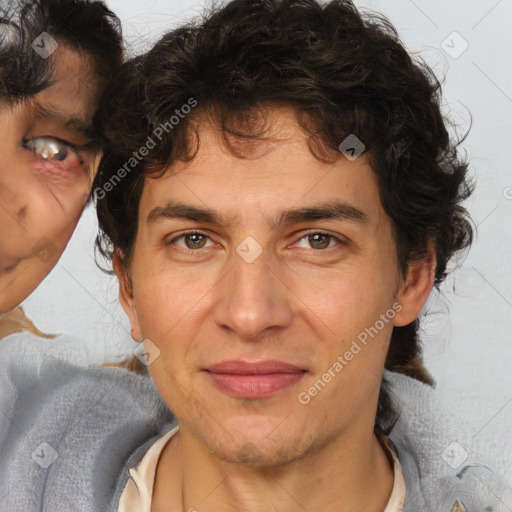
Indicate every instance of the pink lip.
{"type": "Point", "coordinates": [243, 379]}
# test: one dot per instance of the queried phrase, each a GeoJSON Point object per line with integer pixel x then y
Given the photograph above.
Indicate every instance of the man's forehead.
{"type": "Point", "coordinates": [47, 111]}
{"type": "Point", "coordinates": [74, 87]}
{"type": "Point", "coordinates": [337, 196]}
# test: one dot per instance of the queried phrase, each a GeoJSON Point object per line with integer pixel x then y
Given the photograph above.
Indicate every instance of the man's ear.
{"type": "Point", "coordinates": [416, 288]}
{"type": "Point", "coordinates": [126, 295]}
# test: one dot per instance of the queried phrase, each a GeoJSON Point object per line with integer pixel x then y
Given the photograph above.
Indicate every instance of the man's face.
{"type": "Point", "coordinates": [45, 174]}
{"type": "Point", "coordinates": [279, 296]}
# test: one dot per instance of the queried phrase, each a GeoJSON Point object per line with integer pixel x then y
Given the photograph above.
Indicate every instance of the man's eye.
{"type": "Point", "coordinates": [51, 149]}
{"type": "Point", "coordinates": [191, 241]}
{"type": "Point", "coordinates": [319, 240]}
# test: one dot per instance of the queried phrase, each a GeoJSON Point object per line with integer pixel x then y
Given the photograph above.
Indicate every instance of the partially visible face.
{"type": "Point", "coordinates": [250, 306]}
{"type": "Point", "coordinates": [46, 169]}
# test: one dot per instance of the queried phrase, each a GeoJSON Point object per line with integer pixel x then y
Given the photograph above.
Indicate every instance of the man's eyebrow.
{"type": "Point", "coordinates": [51, 111]}
{"type": "Point", "coordinates": [324, 211]}
{"type": "Point", "coordinates": [176, 210]}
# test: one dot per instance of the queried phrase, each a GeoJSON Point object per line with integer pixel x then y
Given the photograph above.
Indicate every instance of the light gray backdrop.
{"type": "Point", "coordinates": [468, 43]}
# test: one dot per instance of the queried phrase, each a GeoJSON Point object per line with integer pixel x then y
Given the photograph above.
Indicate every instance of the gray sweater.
{"type": "Point", "coordinates": [69, 434]}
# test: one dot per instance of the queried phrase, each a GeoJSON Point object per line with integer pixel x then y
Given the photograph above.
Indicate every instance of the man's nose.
{"type": "Point", "coordinates": [253, 297]}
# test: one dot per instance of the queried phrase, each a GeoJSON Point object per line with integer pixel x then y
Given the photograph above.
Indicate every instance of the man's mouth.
{"type": "Point", "coordinates": [244, 379]}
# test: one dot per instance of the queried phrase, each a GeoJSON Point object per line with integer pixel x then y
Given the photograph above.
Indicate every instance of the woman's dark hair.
{"type": "Point", "coordinates": [86, 26]}
{"type": "Point", "coordinates": [344, 73]}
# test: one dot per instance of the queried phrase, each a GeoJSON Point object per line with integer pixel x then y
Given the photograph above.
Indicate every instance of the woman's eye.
{"type": "Point", "coordinates": [191, 241]}
{"type": "Point", "coordinates": [50, 149]}
{"type": "Point", "coordinates": [319, 241]}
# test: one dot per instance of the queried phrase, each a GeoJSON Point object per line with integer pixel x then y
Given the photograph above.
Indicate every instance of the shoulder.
{"type": "Point", "coordinates": [40, 384]}
{"type": "Point", "coordinates": [67, 430]}
{"type": "Point", "coordinates": [442, 469]}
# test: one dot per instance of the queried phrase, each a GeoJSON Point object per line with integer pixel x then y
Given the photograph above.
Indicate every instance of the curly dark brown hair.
{"type": "Point", "coordinates": [88, 27]}
{"type": "Point", "coordinates": [344, 73]}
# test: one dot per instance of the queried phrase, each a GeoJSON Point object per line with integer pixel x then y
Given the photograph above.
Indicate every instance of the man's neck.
{"type": "Point", "coordinates": [340, 477]}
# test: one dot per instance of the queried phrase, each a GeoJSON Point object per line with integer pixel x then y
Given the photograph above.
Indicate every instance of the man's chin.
{"type": "Point", "coordinates": [262, 452]}
{"type": "Point", "coordinates": [255, 456]}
